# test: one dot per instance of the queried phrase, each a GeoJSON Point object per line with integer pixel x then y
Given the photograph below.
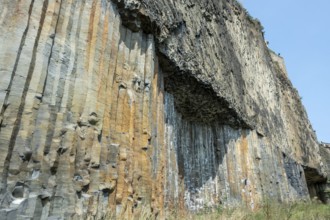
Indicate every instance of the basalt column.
{"type": "Point", "coordinates": [82, 118]}
{"type": "Point", "coordinates": [127, 108]}
{"type": "Point", "coordinates": [219, 164]}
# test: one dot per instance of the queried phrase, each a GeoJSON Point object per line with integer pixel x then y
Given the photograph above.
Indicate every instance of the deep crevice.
{"type": "Point", "coordinates": [51, 51]}
{"type": "Point", "coordinates": [316, 184]}
{"type": "Point", "coordinates": [53, 115]}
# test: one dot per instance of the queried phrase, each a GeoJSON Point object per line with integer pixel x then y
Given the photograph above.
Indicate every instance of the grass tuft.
{"type": "Point", "coordinates": [269, 211]}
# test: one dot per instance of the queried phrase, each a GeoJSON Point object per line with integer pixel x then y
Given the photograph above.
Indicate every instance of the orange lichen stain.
{"type": "Point", "coordinates": [230, 173]}
{"type": "Point", "coordinates": [244, 153]}
{"type": "Point", "coordinates": [103, 74]}
{"type": "Point", "coordinates": [91, 35]}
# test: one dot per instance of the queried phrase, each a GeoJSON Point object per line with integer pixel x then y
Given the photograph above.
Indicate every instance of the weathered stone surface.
{"type": "Point", "coordinates": [109, 108]}
{"type": "Point", "coordinates": [323, 190]}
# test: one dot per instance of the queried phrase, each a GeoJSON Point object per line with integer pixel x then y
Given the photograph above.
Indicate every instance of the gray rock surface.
{"type": "Point", "coordinates": [111, 109]}
{"type": "Point", "coordinates": [323, 191]}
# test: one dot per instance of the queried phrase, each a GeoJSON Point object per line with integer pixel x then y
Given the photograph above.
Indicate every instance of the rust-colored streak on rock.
{"type": "Point", "coordinates": [111, 109]}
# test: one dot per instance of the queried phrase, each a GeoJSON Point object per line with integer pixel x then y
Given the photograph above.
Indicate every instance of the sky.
{"type": "Point", "coordinates": [300, 32]}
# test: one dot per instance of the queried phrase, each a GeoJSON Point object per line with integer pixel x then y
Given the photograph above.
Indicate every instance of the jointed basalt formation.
{"type": "Point", "coordinates": [323, 190]}
{"type": "Point", "coordinates": [112, 108]}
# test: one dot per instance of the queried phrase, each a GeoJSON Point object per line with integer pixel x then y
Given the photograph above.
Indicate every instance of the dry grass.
{"type": "Point", "coordinates": [270, 211]}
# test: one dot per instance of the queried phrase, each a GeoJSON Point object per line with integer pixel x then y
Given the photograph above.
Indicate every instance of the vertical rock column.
{"type": "Point", "coordinates": [81, 112]}
{"type": "Point", "coordinates": [87, 131]}
{"type": "Point", "coordinates": [217, 164]}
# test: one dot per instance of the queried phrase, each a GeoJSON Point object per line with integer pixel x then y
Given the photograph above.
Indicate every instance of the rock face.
{"type": "Point", "coordinates": [110, 109]}
{"type": "Point", "coordinates": [323, 190]}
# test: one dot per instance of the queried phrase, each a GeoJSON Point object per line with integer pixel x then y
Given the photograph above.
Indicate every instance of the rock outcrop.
{"type": "Point", "coordinates": [323, 190]}
{"type": "Point", "coordinates": [112, 108]}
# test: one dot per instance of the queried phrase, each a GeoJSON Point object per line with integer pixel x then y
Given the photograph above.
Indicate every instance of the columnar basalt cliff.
{"type": "Point", "coordinates": [323, 191]}
{"type": "Point", "coordinates": [109, 108]}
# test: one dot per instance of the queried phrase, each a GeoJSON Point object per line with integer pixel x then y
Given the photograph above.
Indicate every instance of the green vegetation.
{"type": "Point", "coordinates": [270, 211]}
